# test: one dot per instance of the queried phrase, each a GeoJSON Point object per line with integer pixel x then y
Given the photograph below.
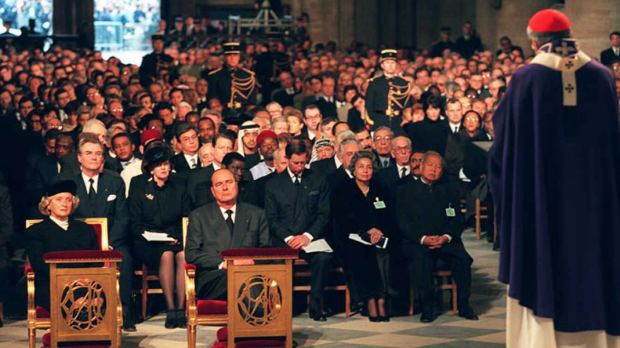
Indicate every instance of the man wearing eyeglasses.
{"type": "Point", "coordinates": [382, 146]}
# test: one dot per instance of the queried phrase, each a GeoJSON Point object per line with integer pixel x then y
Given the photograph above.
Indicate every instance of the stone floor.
{"type": "Point", "coordinates": [448, 330]}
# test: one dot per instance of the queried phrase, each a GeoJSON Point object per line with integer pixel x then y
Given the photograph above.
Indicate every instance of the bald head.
{"type": "Point", "coordinates": [224, 188]}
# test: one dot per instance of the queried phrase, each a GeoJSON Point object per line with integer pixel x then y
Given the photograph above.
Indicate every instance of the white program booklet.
{"type": "Point", "coordinates": [319, 245]}
{"type": "Point", "coordinates": [382, 244]}
{"type": "Point", "coordinates": [157, 237]}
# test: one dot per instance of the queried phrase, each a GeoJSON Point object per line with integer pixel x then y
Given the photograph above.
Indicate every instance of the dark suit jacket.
{"type": "Point", "coordinates": [421, 211]}
{"type": "Point", "coordinates": [179, 163]}
{"type": "Point", "coordinates": [337, 178]}
{"type": "Point", "coordinates": [389, 178]}
{"type": "Point", "coordinates": [293, 210]}
{"type": "Point", "coordinates": [260, 186]}
{"type": "Point", "coordinates": [327, 109]}
{"type": "Point", "coordinates": [109, 202]}
{"type": "Point", "coordinates": [283, 98]}
{"type": "Point", "coordinates": [208, 236]}
{"type": "Point", "coordinates": [324, 167]}
{"type": "Point", "coordinates": [608, 57]}
{"type": "Point", "coordinates": [195, 178]}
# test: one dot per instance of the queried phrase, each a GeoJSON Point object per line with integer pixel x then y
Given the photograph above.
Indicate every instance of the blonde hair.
{"type": "Point", "coordinates": [44, 205]}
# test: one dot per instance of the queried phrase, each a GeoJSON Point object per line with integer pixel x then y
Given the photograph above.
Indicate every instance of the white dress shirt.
{"type": "Point", "coordinates": [87, 182]}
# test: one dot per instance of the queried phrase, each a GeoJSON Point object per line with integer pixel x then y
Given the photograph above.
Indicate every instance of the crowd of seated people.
{"type": "Point", "coordinates": [298, 155]}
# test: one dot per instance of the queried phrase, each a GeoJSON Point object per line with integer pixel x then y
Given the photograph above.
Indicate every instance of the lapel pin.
{"type": "Point", "coordinates": [149, 196]}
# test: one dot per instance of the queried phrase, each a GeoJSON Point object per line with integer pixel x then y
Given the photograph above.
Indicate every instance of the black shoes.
{"type": "Point", "coordinates": [318, 316]}
{"type": "Point", "coordinates": [469, 315]}
{"type": "Point", "coordinates": [181, 318]}
{"type": "Point", "coordinates": [129, 324]}
{"type": "Point", "coordinates": [428, 317]}
{"type": "Point", "coordinates": [171, 319]}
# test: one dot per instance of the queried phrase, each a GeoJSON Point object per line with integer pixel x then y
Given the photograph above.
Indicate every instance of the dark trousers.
{"type": "Point", "coordinates": [126, 274]}
{"type": "Point", "coordinates": [215, 288]}
{"type": "Point", "coordinates": [423, 263]}
{"type": "Point", "coordinates": [319, 266]}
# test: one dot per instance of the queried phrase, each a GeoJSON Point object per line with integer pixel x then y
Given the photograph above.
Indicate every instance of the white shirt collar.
{"type": "Point", "coordinates": [189, 159]}
{"type": "Point", "coordinates": [349, 173]}
{"type": "Point", "coordinates": [400, 169]}
{"type": "Point", "coordinates": [453, 126]}
{"type": "Point", "coordinates": [62, 224]}
{"type": "Point", "coordinates": [337, 161]}
{"type": "Point", "coordinates": [233, 215]}
{"type": "Point", "coordinates": [216, 166]}
{"type": "Point", "coordinates": [292, 176]}
{"type": "Point", "coordinates": [87, 182]}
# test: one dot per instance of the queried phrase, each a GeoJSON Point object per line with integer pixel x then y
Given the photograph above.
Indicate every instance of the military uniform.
{"type": "Point", "coordinates": [387, 97]}
{"type": "Point", "coordinates": [152, 63]}
{"type": "Point", "coordinates": [234, 87]}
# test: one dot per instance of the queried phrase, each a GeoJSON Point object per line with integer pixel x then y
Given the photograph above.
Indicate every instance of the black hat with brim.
{"type": "Point", "coordinates": [61, 186]}
{"type": "Point", "coordinates": [156, 156]}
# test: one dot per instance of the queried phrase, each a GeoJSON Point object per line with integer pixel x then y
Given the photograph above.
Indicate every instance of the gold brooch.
{"type": "Point", "coordinates": [149, 196]}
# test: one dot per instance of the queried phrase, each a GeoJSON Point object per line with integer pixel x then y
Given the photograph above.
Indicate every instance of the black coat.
{"type": "Point", "coordinates": [283, 98]}
{"type": "Point", "coordinates": [428, 135]}
{"type": "Point", "coordinates": [324, 167]}
{"type": "Point", "coordinates": [157, 209]}
{"type": "Point", "coordinates": [47, 236]}
{"type": "Point", "coordinates": [293, 210]}
{"type": "Point", "coordinates": [421, 210]}
{"type": "Point", "coordinates": [196, 178]}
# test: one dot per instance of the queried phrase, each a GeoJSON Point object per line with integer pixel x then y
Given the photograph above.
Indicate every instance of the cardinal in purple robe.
{"type": "Point", "coordinates": [554, 171]}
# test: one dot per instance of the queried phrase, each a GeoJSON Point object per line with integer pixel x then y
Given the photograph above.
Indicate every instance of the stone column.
{"type": "Point", "coordinates": [592, 22]}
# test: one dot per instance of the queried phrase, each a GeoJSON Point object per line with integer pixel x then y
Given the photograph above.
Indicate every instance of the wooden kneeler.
{"type": "Point", "coordinates": [84, 302]}
{"type": "Point", "coordinates": [260, 296]}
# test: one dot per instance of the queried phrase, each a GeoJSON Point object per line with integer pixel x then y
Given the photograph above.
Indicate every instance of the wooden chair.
{"type": "Point", "coordinates": [302, 272]}
{"type": "Point", "coordinates": [481, 213]}
{"type": "Point", "coordinates": [443, 280]}
{"type": "Point", "coordinates": [39, 317]}
{"type": "Point", "coordinates": [146, 278]}
{"type": "Point", "coordinates": [84, 302]}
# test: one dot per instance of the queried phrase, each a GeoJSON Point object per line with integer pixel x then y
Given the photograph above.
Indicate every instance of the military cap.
{"type": "Point", "coordinates": [232, 47]}
{"type": "Point", "coordinates": [389, 54]}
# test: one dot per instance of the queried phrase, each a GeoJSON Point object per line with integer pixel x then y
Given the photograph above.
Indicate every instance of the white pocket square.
{"type": "Point", "coordinates": [111, 198]}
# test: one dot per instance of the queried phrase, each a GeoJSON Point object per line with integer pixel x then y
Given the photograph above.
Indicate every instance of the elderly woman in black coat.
{"type": "Point", "coordinates": [57, 232]}
{"type": "Point", "coordinates": [362, 210]}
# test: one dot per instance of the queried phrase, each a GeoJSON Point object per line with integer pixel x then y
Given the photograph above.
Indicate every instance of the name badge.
{"type": "Point", "coordinates": [379, 204]}
{"type": "Point", "coordinates": [450, 212]}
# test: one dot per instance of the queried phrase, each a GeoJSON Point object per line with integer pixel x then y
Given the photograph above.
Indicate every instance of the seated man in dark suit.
{"type": "Point", "coordinates": [430, 224]}
{"type": "Point", "coordinates": [187, 138]}
{"type": "Point", "coordinates": [297, 207]}
{"type": "Point", "coordinates": [284, 95]}
{"type": "Point", "coordinates": [223, 143]}
{"type": "Point", "coordinates": [612, 54]}
{"type": "Point", "coordinates": [102, 194]}
{"type": "Point", "coordinates": [223, 224]}
{"type": "Point", "coordinates": [401, 152]}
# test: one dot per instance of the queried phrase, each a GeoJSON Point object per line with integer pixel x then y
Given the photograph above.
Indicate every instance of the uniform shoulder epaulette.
{"type": "Point", "coordinates": [214, 71]}
{"type": "Point", "coordinates": [375, 77]}
{"type": "Point", "coordinates": [248, 71]}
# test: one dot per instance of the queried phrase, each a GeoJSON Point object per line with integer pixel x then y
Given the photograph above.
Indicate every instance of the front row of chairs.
{"type": "Point", "coordinates": [274, 308]}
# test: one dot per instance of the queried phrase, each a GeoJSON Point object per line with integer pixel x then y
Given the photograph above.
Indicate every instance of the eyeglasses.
{"type": "Point", "coordinates": [383, 138]}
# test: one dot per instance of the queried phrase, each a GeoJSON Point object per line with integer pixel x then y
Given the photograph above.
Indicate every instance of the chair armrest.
{"type": "Point", "coordinates": [190, 293]}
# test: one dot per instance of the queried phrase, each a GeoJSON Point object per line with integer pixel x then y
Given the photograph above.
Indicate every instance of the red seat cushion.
{"type": "Point", "coordinates": [222, 338]}
{"type": "Point", "coordinates": [211, 307]}
{"type": "Point", "coordinates": [47, 340]}
{"type": "Point", "coordinates": [42, 313]}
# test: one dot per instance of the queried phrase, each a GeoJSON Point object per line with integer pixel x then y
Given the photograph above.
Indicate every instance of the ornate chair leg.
{"type": "Point", "coordinates": [32, 338]}
{"type": "Point", "coordinates": [191, 336]}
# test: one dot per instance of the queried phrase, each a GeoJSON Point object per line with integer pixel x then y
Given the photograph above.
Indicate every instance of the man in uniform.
{"type": "Point", "coordinates": [388, 94]}
{"type": "Point", "coordinates": [554, 171]}
{"type": "Point", "coordinates": [234, 85]}
{"type": "Point", "coordinates": [153, 62]}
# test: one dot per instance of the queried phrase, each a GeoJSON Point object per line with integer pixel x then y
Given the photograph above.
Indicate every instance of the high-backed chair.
{"type": "Point", "coordinates": [39, 317]}
{"type": "Point", "coordinates": [481, 213]}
